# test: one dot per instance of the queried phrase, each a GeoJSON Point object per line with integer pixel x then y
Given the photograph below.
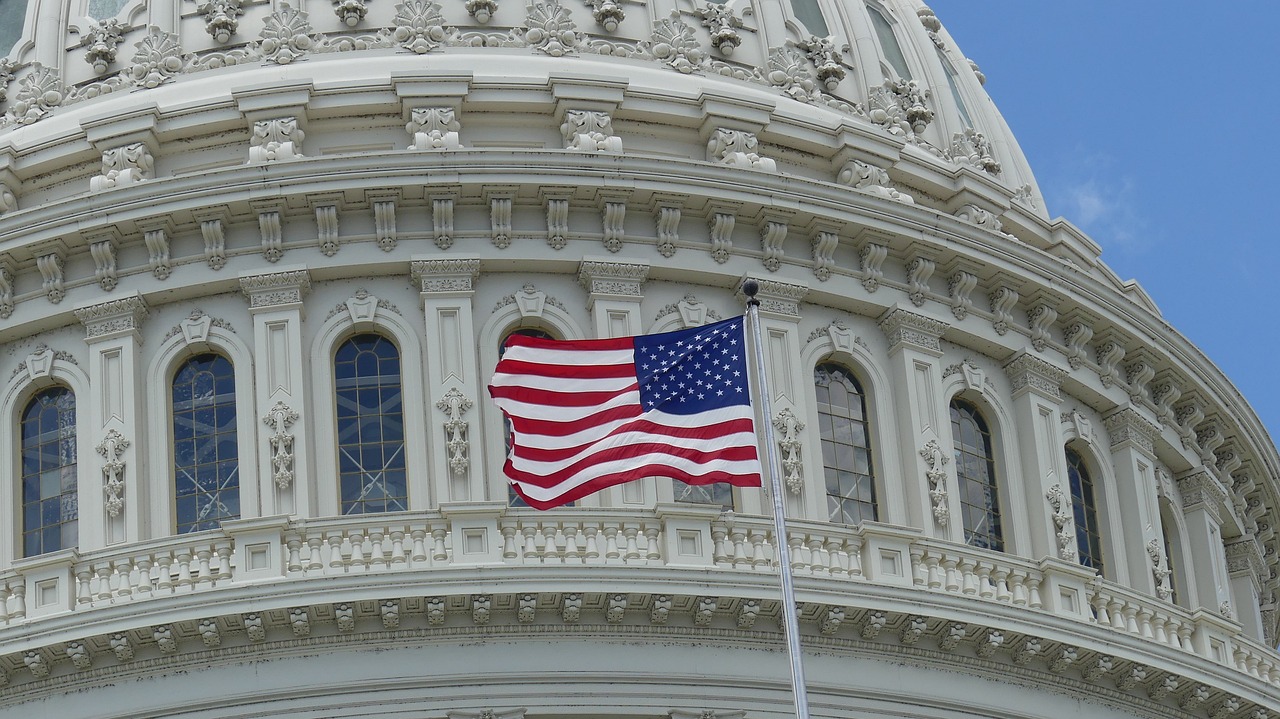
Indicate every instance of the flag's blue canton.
{"type": "Point", "coordinates": [693, 370]}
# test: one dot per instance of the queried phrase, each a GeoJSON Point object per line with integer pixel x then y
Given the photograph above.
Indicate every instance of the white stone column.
{"type": "Point", "coordinates": [1133, 459]}
{"type": "Point", "coordinates": [114, 509]}
{"type": "Point", "coordinates": [924, 459]}
{"type": "Point", "coordinates": [453, 382]}
{"type": "Point", "coordinates": [613, 297]}
{"type": "Point", "coordinates": [280, 392]}
{"type": "Point", "coordinates": [789, 384]}
{"type": "Point", "coordinates": [1036, 401]}
{"type": "Point", "coordinates": [1203, 501]}
{"type": "Point", "coordinates": [1246, 566]}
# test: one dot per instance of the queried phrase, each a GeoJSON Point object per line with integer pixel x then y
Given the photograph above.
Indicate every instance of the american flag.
{"type": "Point", "coordinates": [589, 414]}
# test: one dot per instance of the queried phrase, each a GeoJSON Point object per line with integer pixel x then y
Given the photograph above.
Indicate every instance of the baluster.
{"type": "Point", "coordinates": [531, 544]}
{"type": "Point", "coordinates": [551, 553]}
{"type": "Point", "coordinates": [397, 549]}
{"type": "Point", "coordinates": [224, 562]}
{"type": "Point", "coordinates": [953, 577]}
{"type": "Point", "coordinates": [739, 539]}
{"type": "Point", "coordinates": [593, 545]}
{"type": "Point", "coordinates": [986, 589]}
{"type": "Point", "coordinates": [919, 570]}
{"type": "Point", "coordinates": [1171, 632]}
{"type": "Point", "coordinates": [205, 574]}
{"type": "Point", "coordinates": [295, 554]}
{"type": "Point", "coordinates": [356, 557]}
{"type": "Point", "coordinates": [800, 559]}
{"type": "Point", "coordinates": [377, 553]}
{"type": "Point", "coordinates": [1117, 614]}
{"type": "Point", "coordinates": [1018, 587]}
{"type": "Point", "coordinates": [935, 570]}
{"type": "Point", "coordinates": [124, 587]}
{"type": "Point", "coordinates": [969, 579]}
{"type": "Point", "coordinates": [571, 553]}
{"type": "Point", "coordinates": [1101, 615]}
{"type": "Point", "coordinates": [629, 531]}
{"type": "Point", "coordinates": [19, 602]}
{"type": "Point", "coordinates": [5, 594]}
{"type": "Point", "coordinates": [758, 555]}
{"type": "Point", "coordinates": [419, 539]}
{"type": "Point", "coordinates": [84, 595]}
{"type": "Point", "coordinates": [315, 558]}
{"type": "Point", "coordinates": [184, 581]}
{"type": "Point", "coordinates": [654, 553]}
{"type": "Point", "coordinates": [164, 574]}
{"type": "Point", "coordinates": [104, 582]}
{"type": "Point", "coordinates": [335, 553]}
{"type": "Point", "coordinates": [1252, 664]}
{"type": "Point", "coordinates": [1130, 618]}
{"type": "Point", "coordinates": [1184, 637]}
{"type": "Point", "coordinates": [509, 541]}
{"type": "Point", "coordinates": [819, 558]}
{"type": "Point", "coordinates": [719, 553]}
{"type": "Point", "coordinates": [1003, 593]}
{"type": "Point", "coordinates": [1033, 594]}
{"type": "Point", "coordinates": [842, 558]}
{"type": "Point", "coordinates": [439, 553]}
{"type": "Point", "coordinates": [1144, 624]}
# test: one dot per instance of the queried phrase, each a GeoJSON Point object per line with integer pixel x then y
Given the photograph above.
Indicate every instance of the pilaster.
{"type": "Point", "coordinates": [915, 348]}
{"type": "Point", "coordinates": [1133, 459]}
{"type": "Point", "coordinates": [281, 412]}
{"type": "Point", "coordinates": [453, 385]}
{"type": "Point", "coordinates": [1202, 498]}
{"type": "Point", "coordinates": [613, 297]}
{"type": "Point", "coordinates": [113, 495]}
{"type": "Point", "coordinates": [1246, 567]}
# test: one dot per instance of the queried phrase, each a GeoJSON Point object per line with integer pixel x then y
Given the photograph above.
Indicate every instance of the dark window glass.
{"type": "Point", "coordinates": [1168, 559]}
{"type": "Point", "coordinates": [846, 445]}
{"type": "Point", "coordinates": [810, 15]}
{"type": "Point", "coordinates": [371, 464]}
{"type": "Point", "coordinates": [13, 14]}
{"type": "Point", "coordinates": [1085, 506]}
{"type": "Point", "coordinates": [206, 466]}
{"type": "Point", "coordinates": [889, 43]}
{"type": "Point", "coordinates": [50, 503]}
{"type": "Point", "coordinates": [513, 499]}
{"type": "Point", "coordinates": [976, 472]}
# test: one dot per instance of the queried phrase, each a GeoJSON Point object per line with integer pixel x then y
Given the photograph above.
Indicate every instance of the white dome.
{"type": "Point", "coordinates": [1012, 489]}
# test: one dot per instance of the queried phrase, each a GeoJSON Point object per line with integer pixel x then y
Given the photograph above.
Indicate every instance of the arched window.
{"type": "Point", "coordinates": [50, 503]}
{"type": "Point", "coordinates": [1168, 534]}
{"type": "Point", "coordinates": [953, 83]}
{"type": "Point", "coordinates": [371, 463]}
{"type": "Point", "coordinates": [809, 13]}
{"type": "Point", "coordinates": [846, 445]}
{"type": "Point", "coordinates": [1085, 506]}
{"type": "Point", "coordinates": [889, 42]}
{"type": "Point", "coordinates": [513, 499]}
{"type": "Point", "coordinates": [206, 466]}
{"type": "Point", "coordinates": [976, 471]}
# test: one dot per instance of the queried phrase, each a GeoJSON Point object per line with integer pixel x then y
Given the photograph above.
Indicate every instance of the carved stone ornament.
{"type": "Point", "coordinates": [434, 128]}
{"type": "Point", "coordinates": [824, 246]}
{"type": "Point", "coordinates": [790, 70]}
{"type": "Point", "coordinates": [549, 28]}
{"type": "Point", "coordinates": [481, 10]}
{"type": "Point", "coordinates": [279, 419]}
{"type": "Point", "coordinates": [6, 291]}
{"type": "Point", "coordinates": [1060, 503]}
{"type": "Point", "coordinates": [589, 131]}
{"type": "Point", "coordinates": [455, 404]}
{"type": "Point", "coordinates": [1160, 571]}
{"type": "Point", "coordinates": [420, 27]}
{"type": "Point", "coordinates": [871, 180]}
{"type": "Point", "coordinates": [158, 60]}
{"type": "Point", "coordinates": [674, 43]}
{"type": "Point", "coordinates": [789, 427]}
{"type": "Point", "coordinates": [8, 200]}
{"type": "Point", "coordinates": [278, 139]}
{"type": "Point", "coordinates": [350, 12]}
{"type": "Point", "coordinates": [51, 265]}
{"type": "Point", "coordinates": [899, 107]}
{"type": "Point", "coordinates": [935, 459]}
{"type": "Point", "coordinates": [721, 226]}
{"type": "Point", "coordinates": [608, 13]}
{"type": "Point", "coordinates": [221, 18]}
{"type": "Point", "coordinates": [824, 55]}
{"type": "Point", "coordinates": [979, 217]}
{"type": "Point", "coordinates": [6, 76]}
{"type": "Point", "coordinates": [737, 148]}
{"type": "Point", "coordinates": [723, 24]}
{"type": "Point", "coordinates": [123, 166]}
{"type": "Point", "coordinates": [971, 148]}
{"type": "Point", "coordinates": [101, 41]}
{"type": "Point", "coordinates": [286, 35]}
{"type": "Point", "coordinates": [112, 450]}
{"type": "Point", "coordinates": [39, 91]}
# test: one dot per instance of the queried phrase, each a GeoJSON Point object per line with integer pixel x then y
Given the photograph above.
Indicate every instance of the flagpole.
{"type": "Point", "coordinates": [791, 623]}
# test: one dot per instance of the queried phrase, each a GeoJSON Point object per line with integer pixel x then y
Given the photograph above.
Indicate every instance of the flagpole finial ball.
{"type": "Point", "coordinates": [750, 288]}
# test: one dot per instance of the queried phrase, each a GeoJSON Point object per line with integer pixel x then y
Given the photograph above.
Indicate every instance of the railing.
{"type": "Point", "coordinates": [276, 551]}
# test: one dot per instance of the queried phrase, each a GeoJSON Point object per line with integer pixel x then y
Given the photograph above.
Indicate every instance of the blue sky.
{"type": "Point", "coordinates": [1152, 126]}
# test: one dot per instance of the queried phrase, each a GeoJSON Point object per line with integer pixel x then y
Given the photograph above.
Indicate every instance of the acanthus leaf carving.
{"type": "Point", "coordinates": [737, 148]}
{"type": "Point", "coordinates": [871, 180]}
{"type": "Point", "coordinates": [1160, 569]}
{"type": "Point", "coordinates": [960, 286]}
{"type": "Point", "coordinates": [607, 13]}
{"type": "Point", "coordinates": [276, 139]}
{"type": "Point", "coordinates": [919, 271]}
{"type": "Point", "coordinates": [824, 243]}
{"type": "Point", "coordinates": [286, 35]}
{"type": "Point", "coordinates": [454, 404]}
{"type": "Point", "coordinates": [872, 257]}
{"type": "Point", "coordinates": [789, 426]}
{"type": "Point", "coordinates": [1003, 300]}
{"type": "Point", "coordinates": [102, 40]}
{"type": "Point", "coordinates": [557, 222]}
{"type": "Point", "coordinates": [667, 220]}
{"type": "Point", "coordinates": [215, 243]}
{"type": "Point", "coordinates": [971, 148]}
{"type": "Point", "coordinates": [721, 226]}
{"type": "Point", "coordinates": [481, 10]}
{"type": "Point", "coordinates": [980, 217]}
{"type": "Point", "coordinates": [1041, 318]}
{"type": "Point", "coordinates": [442, 222]}
{"type": "Point", "coordinates": [434, 128]}
{"type": "Point", "coordinates": [549, 28]}
{"type": "Point", "coordinates": [159, 58]}
{"type": "Point", "coordinates": [789, 69]}
{"type": "Point", "coordinates": [157, 241]}
{"type": "Point", "coordinates": [111, 449]}
{"type": "Point", "coordinates": [221, 18]}
{"type": "Point", "coordinates": [772, 235]}
{"type": "Point", "coordinates": [420, 28]}
{"type": "Point", "coordinates": [589, 131]}
{"type": "Point", "coordinates": [279, 419]}
{"type": "Point", "coordinates": [723, 24]}
{"type": "Point", "coordinates": [899, 107]}
{"type": "Point", "coordinates": [39, 92]}
{"type": "Point", "coordinates": [1060, 503]}
{"type": "Point", "coordinates": [350, 12]}
{"type": "Point", "coordinates": [103, 252]}
{"type": "Point", "coordinates": [826, 59]}
{"type": "Point", "coordinates": [384, 224]}
{"type": "Point", "coordinates": [123, 166]}
{"type": "Point", "coordinates": [935, 460]}
{"type": "Point", "coordinates": [674, 43]}
{"type": "Point", "coordinates": [1077, 338]}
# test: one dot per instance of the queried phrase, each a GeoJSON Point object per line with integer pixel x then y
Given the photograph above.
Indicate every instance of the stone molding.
{"type": "Point", "coordinates": [1199, 488]}
{"type": "Point", "coordinates": [110, 319]}
{"type": "Point", "coordinates": [612, 279]}
{"type": "Point", "coordinates": [451, 276]}
{"type": "Point", "coordinates": [905, 329]}
{"type": "Point", "coordinates": [275, 290]}
{"type": "Point", "coordinates": [1127, 427]}
{"type": "Point", "coordinates": [1032, 374]}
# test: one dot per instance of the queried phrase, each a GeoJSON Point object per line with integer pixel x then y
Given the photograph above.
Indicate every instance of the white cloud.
{"type": "Point", "coordinates": [1101, 202]}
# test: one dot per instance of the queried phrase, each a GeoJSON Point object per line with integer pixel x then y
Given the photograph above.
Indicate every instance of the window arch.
{"type": "Point", "coordinates": [372, 475]}
{"type": "Point", "coordinates": [50, 502]}
{"type": "Point", "coordinates": [1084, 505]}
{"type": "Point", "coordinates": [513, 499]}
{"type": "Point", "coordinates": [889, 42]}
{"type": "Point", "coordinates": [976, 472]}
{"type": "Point", "coordinates": [206, 466]}
{"type": "Point", "coordinates": [846, 445]}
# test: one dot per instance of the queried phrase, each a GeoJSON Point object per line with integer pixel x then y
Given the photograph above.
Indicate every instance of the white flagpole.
{"type": "Point", "coordinates": [791, 623]}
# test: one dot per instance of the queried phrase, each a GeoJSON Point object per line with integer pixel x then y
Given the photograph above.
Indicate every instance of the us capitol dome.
{"type": "Point", "coordinates": [258, 259]}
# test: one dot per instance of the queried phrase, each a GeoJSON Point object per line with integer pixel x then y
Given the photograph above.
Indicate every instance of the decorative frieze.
{"type": "Point", "coordinates": [936, 475]}
{"type": "Point", "coordinates": [110, 318]}
{"type": "Point", "coordinates": [454, 404]}
{"type": "Point", "coordinates": [737, 148]}
{"type": "Point", "coordinates": [1128, 427]}
{"type": "Point", "coordinates": [451, 275]}
{"type": "Point", "coordinates": [433, 128]}
{"type": "Point", "coordinates": [907, 329]}
{"type": "Point", "coordinates": [111, 449]}
{"type": "Point", "coordinates": [612, 279]}
{"type": "Point", "coordinates": [276, 289]}
{"type": "Point", "coordinates": [1028, 372]}
{"type": "Point", "coordinates": [276, 140]}
{"type": "Point", "coordinates": [122, 166]}
{"type": "Point", "coordinates": [279, 419]}
{"type": "Point", "coordinates": [789, 427]}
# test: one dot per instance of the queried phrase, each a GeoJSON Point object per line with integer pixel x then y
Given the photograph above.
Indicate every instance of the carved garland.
{"type": "Point", "coordinates": [279, 419]}
{"type": "Point", "coordinates": [112, 450]}
{"type": "Point", "coordinates": [789, 427]}
{"type": "Point", "coordinates": [936, 459]}
{"type": "Point", "coordinates": [454, 404]}
{"type": "Point", "coordinates": [1060, 503]}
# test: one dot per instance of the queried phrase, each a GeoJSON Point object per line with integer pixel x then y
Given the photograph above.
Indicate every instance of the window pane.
{"type": "Point", "coordinates": [370, 411]}
{"type": "Point", "coordinates": [13, 14]}
{"type": "Point", "coordinates": [975, 471]}
{"type": "Point", "coordinates": [846, 447]}
{"type": "Point", "coordinates": [206, 468]}
{"type": "Point", "coordinates": [810, 15]}
{"type": "Point", "coordinates": [49, 500]}
{"type": "Point", "coordinates": [1088, 536]}
{"type": "Point", "coordinates": [955, 91]}
{"type": "Point", "coordinates": [889, 43]}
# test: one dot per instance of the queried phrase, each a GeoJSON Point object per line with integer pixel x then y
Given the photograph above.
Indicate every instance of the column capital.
{"type": "Point", "coordinates": [1198, 488]}
{"type": "Point", "coordinates": [1128, 428]}
{"type": "Point", "coordinates": [908, 329]}
{"type": "Point", "coordinates": [275, 290]}
{"type": "Point", "coordinates": [452, 276]}
{"type": "Point", "coordinates": [1032, 374]}
{"type": "Point", "coordinates": [1245, 555]}
{"type": "Point", "coordinates": [778, 298]}
{"type": "Point", "coordinates": [611, 279]}
{"type": "Point", "coordinates": [115, 318]}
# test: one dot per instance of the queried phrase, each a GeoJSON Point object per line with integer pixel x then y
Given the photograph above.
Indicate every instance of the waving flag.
{"type": "Point", "coordinates": [589, 414]}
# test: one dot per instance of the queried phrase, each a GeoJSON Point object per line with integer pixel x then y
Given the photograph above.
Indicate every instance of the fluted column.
{"type": "Point", "coordinates": [116, 510]}
{"type": "Point", "coordinates": [613, 297]}
{"type": "Point", "coordinates": [915, 348]}
{"type": "Point", "coordinates": [454, 385]}
{"type": "Point", "coordinates": [280, 391]}
{"type": "Point", "coordinates": [1042, 463]}
{"type": "Point", "coordinates": [1203, 499]}
{"type": "Point", "coordinates": [1133, 458]}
